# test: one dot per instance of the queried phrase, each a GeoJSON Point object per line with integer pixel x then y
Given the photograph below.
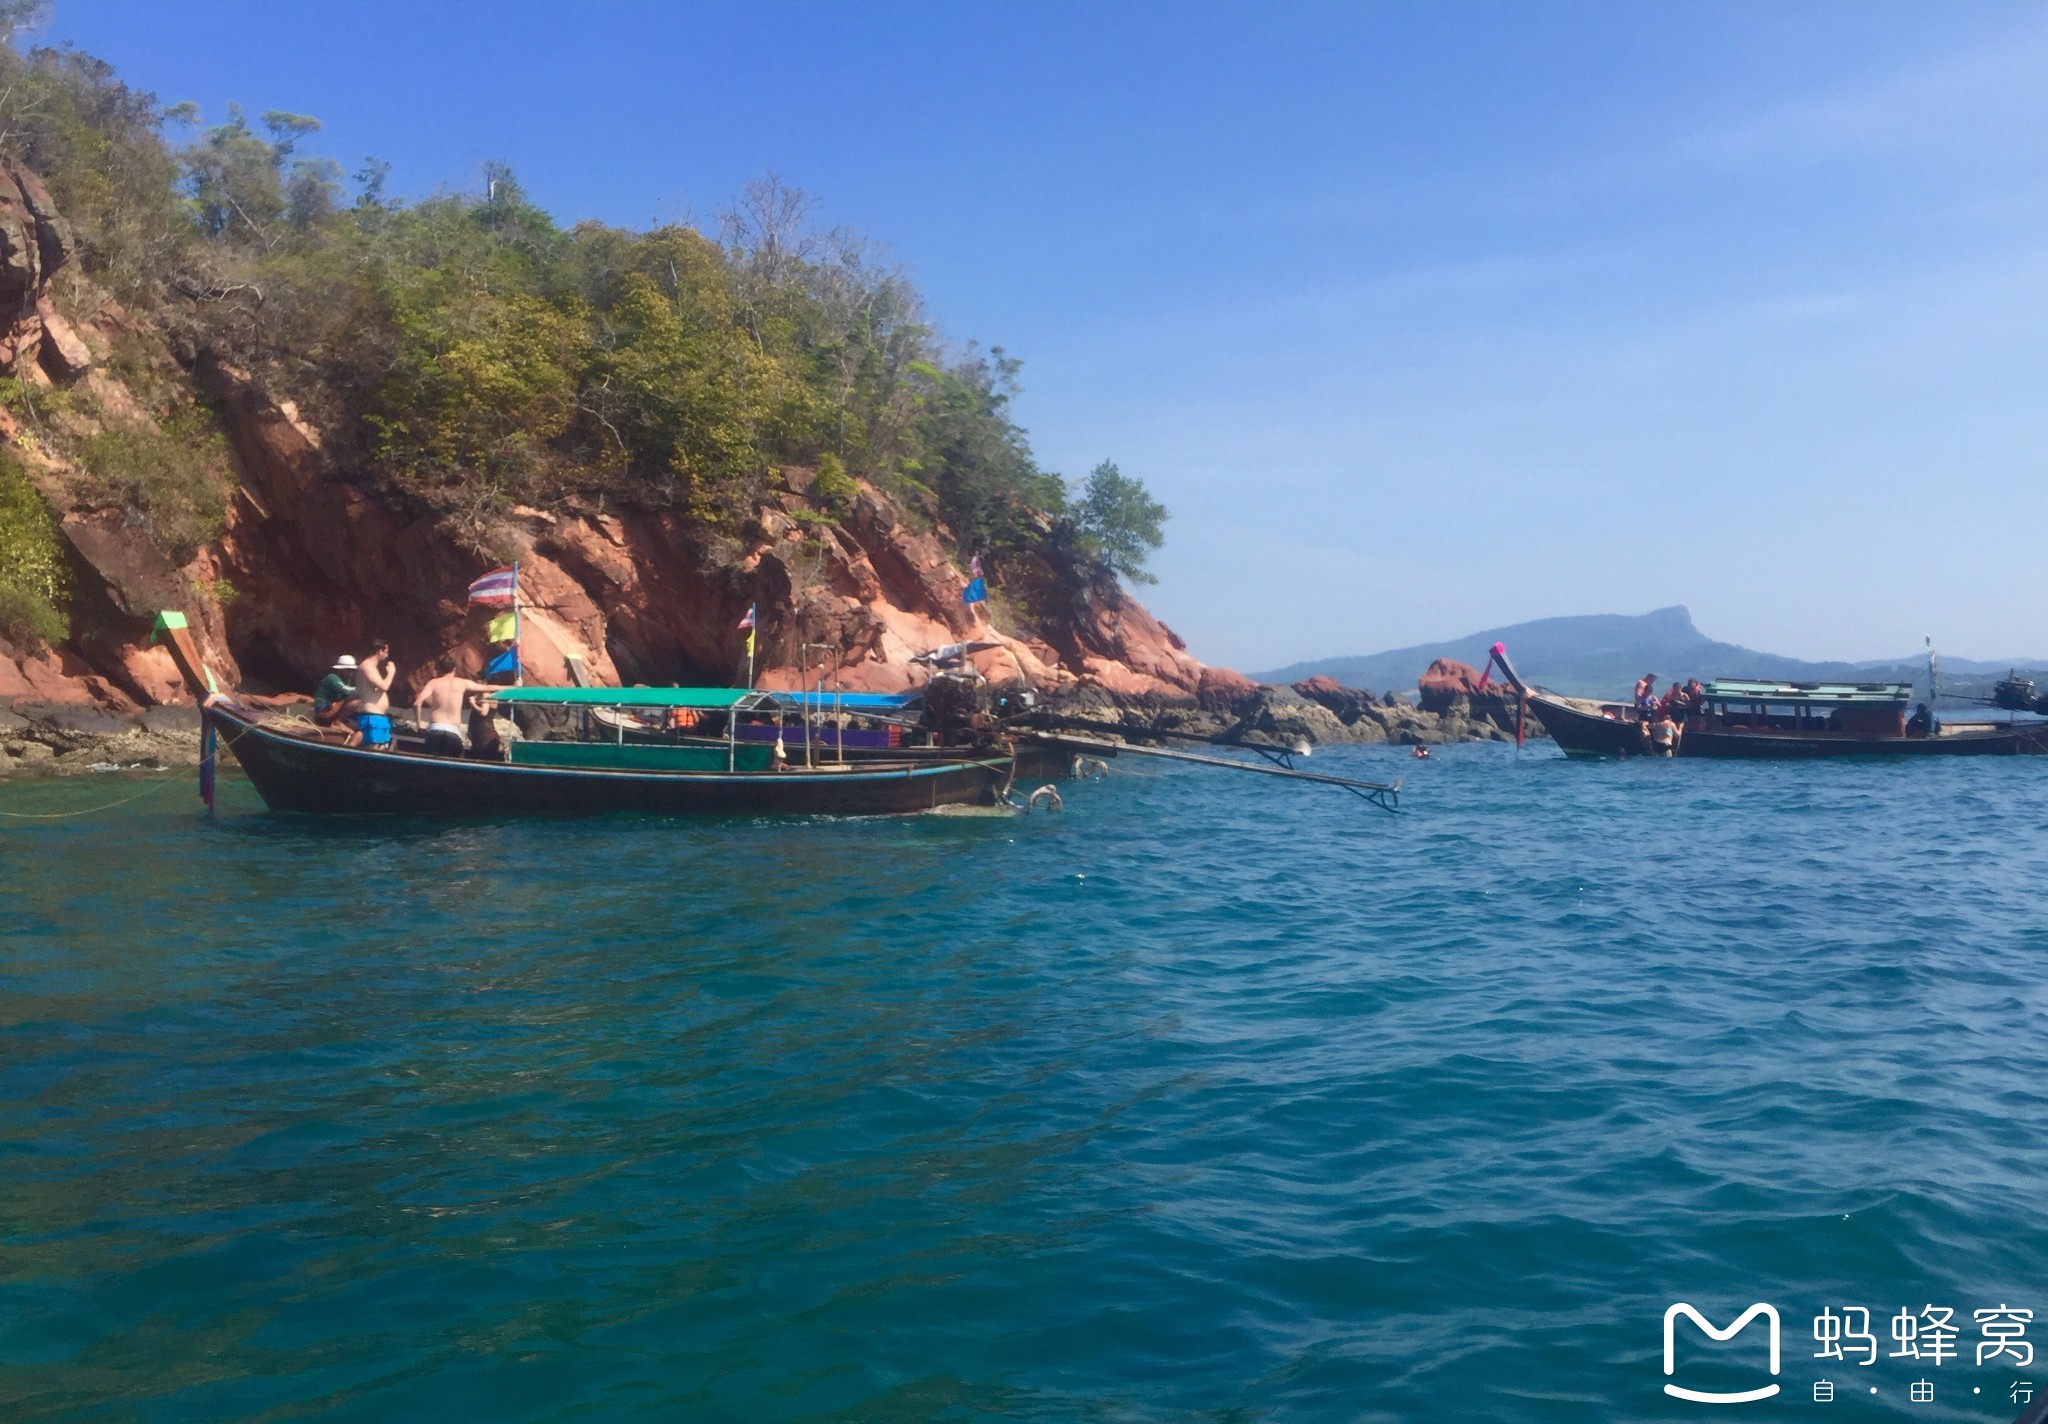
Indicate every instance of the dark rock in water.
{"type": "Point", "coordinates": [1445, 682]}
{"type": "Point", "coordinates": [1348, 703]}
{"type": "Point", "coordinates": [169, 719]}
{"type": "Point", "coordinates": [1281, 717]}
{"type": "Point", "coordinates": [1409, 726]}
{"type": "Point", "coordinates": [1316, 710]}
{"type": "Point", "coordinates": [1452, 690]}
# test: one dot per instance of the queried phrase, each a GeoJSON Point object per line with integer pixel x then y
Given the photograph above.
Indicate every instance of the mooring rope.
{"type": "Point", "coordinates": [150, 790]}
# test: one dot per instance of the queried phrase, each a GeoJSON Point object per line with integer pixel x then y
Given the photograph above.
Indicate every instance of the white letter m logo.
{"type": "Point", "coordinates": [1704, 1396]}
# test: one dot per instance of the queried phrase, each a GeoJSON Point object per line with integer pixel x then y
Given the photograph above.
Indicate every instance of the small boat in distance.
{"type": "Point", "coordinates": [1766, 719]}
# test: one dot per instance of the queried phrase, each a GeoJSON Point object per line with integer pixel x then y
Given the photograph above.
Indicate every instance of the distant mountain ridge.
{"type": "Point", "coordinates": [1602, 654]}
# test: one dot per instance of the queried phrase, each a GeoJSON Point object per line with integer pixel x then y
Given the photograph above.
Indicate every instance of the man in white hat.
{"type": "Point", "coordinates": [335, 704]}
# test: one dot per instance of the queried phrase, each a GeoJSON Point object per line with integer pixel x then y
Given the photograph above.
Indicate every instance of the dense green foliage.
{"type": "Point", "coordinates": [34, 584]}
{"type": "Point", "coordinates": [1119, 522]}
{"type": "Point", "coordinates": [171, 476]}
{"type": "Point", "coordinates": [472, 353]}
{"type": "Point", "coordinates": [95, 142]}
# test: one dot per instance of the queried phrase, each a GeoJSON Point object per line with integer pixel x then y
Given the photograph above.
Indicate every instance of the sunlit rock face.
{"type": "Point", "coordinates": [312, 560]}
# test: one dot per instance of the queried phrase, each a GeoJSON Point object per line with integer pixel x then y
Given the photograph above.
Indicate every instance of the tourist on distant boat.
{"type": "Point", "coordinates": [1664, 735]}
{"type": "Point", "coordinates": [1646, 693]}
{"type": "Point", "coordinates": [484, 742]}
{"type": "Point", "coordinates": [439, 707]}
{"type": "Point", "coordinates": [335, 703]}
{"type": "Point", "coordinates": [374, 677]}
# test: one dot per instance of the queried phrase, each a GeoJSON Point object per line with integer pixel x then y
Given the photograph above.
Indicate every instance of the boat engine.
{"type": "Point", "coordinates": [958, 709]}
{"type": "Point", "coordinates": [2016, 694]}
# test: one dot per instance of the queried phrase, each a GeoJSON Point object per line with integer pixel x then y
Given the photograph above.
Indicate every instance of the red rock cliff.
{"type": "Point", "coordinates": [313, 560]}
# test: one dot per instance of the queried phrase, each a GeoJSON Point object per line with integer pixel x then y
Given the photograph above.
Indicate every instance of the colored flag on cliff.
{"type": "Point", "coordinates": [748, 624]}
{"type": "Point", "coordinates": [504, 628]}
{"type": "Point", "coordinates": [975, 592]}
{"type": "Point", "coordinates": [499, 586]}
{"type": "Point", "coordinates": [505, 662]}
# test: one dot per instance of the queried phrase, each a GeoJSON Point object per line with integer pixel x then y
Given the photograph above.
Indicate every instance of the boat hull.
{"type": "Point", "coordinates": [300, 775]}
{"type": "Point", "coordinates": [1588, 735]}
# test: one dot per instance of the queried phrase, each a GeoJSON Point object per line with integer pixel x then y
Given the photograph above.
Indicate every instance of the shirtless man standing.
{"type": "Point", "coordinates": [374, 677]}
{"type": "Point", "coordinates": [439, 708]}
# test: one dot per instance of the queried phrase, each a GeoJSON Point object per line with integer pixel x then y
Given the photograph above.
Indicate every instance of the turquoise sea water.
{"type": "Point", "coordinates": [1211, 1098]}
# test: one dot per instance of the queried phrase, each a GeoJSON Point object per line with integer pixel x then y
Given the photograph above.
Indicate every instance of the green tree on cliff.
{"type": "Point", "coordinates": [34, 584]}
{"type": "Point", "coordinates": [243, 186]}
{"type": "Point", "coordinates": [1119, 523]}
{"type": "Point", "coordinates": [977, 461]}
{"type": "Point", "coordinates": [68, 117]}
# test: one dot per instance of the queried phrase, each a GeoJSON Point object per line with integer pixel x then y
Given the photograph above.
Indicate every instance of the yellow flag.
{"type": "Point", "coordinates": [502, 628]}
{"type": "Point", "coordinates": [750, 642]}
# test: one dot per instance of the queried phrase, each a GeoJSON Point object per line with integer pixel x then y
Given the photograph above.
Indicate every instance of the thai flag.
{"type": "Point", "coordinates": [974, 567]}
{"type": "Point", "coordinates": [748, 621]}
{"type": "Point", "coordinates": [499, 586]}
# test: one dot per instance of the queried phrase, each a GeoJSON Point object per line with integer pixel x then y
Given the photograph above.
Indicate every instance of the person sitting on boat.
{"type": "Point", "coordinates": [335, 703]}
{"type": "Point", "coordinates": [439, 707]}
{"type": "Point", "coordinates": [374, 676]}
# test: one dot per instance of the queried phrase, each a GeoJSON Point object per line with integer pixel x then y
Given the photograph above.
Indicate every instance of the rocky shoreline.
{"type": "Point", "coordinates": [1317, 711]}
{"type": "Point", "coordinates": [57, 739]}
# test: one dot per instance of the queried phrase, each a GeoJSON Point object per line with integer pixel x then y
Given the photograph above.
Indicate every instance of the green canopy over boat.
{"type": "Point", "coordinates": [702, 699]}
{"type": "Point", "coordinates": [1810, 694]}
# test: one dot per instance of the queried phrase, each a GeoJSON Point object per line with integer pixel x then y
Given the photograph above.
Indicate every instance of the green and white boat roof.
{"type": "Point", "coordinates": [705, 699]}
{"type": "Point", "coordinates": [1810, 694]}
{"type": "Point", "coordinates": [702, 699]}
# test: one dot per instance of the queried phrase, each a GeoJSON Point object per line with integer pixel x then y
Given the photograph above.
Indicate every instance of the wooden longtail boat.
{"type": "Point", "coordinates": [300, 771]}
{"type": "Point", "coordinates": [1777, 720]}
{"type": "Point", "coordinates": [1609, 731]}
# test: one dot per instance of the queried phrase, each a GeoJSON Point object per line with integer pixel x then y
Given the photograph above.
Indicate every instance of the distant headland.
{"type": "Point", "coordinates": [1600, 655]}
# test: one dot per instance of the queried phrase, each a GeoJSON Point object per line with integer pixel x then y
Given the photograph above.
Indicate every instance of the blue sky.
{"type": "Point", "coordinates": [1421, 318]}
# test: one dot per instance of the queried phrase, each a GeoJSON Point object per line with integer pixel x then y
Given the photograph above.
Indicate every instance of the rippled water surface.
{"type": "Point", "coordinates": [1211, 1098]}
